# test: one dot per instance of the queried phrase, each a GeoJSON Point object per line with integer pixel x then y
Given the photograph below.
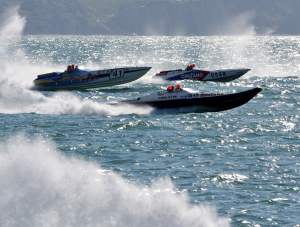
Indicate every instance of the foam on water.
{"type": "Point", "coordinates": [40, 187]}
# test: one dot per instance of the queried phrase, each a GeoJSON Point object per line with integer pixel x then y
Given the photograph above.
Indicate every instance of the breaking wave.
{"type": "Point", "coordinates": [40, 187]}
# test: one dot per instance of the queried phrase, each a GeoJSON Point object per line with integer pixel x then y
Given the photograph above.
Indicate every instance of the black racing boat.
{"type": "Point", "coordinates": [187, 97]}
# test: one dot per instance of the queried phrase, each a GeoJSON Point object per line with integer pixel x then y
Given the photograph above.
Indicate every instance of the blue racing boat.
{"type": "Point", "coordinates": [74, 78]}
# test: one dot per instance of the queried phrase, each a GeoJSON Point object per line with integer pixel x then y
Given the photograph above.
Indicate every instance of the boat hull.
{"type": "Point", "coordinates": [204, 102]}
{"type": "Point", "coordinates": [97, 79]}
{"type": "Point", "coordinates": [198, 74]}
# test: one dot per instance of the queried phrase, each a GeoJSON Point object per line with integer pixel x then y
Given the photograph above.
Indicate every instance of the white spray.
{"type": "Point", "coordinates": [39, 187]}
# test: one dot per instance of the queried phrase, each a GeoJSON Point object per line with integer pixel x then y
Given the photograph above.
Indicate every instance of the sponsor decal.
{"type": "Point", "coordinates": [196, 95]}
{"type": "Point", "coordinates": [168, 97]}
{"type": "Point", "coordinates": [88, 76]}
{"type": "Point", "coordinates": [165, 97]}
{"type": "Point", "coordinates": [191, 75]}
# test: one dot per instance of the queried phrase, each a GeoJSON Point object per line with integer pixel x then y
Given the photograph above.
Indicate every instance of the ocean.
{"type": "Point", "coordinates": [70, 159]}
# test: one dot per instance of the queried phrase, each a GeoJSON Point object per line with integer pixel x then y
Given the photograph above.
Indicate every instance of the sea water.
{"type": "Point", "coordinates": [71, 159]}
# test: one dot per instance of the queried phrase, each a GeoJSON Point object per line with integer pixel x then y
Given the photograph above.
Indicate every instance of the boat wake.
{"type": "Point", "coordinates": [16, 97]}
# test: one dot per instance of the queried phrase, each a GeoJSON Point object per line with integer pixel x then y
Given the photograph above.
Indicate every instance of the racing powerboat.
{"type": "Point", "coordinates": [188, 97]}
{"type": "Point", "coordinates": [200, 74]}
{"type": "Point", "coordinates": [74, 78]}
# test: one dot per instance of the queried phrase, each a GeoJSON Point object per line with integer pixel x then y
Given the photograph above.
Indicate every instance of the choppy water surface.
{"type": "Point", "coordinates": [68, 158]}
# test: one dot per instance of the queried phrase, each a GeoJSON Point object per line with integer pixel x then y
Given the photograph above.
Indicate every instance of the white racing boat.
{"type": "Point", "coordinates": [200, 74]}
{"type": "Point", "coordinates": [187, 97]}
{"type": "Point", "coordinates": [74, 78]}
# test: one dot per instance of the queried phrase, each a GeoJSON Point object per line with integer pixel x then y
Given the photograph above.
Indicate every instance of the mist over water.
{"type": "Point", "coordinates": [82, 162]}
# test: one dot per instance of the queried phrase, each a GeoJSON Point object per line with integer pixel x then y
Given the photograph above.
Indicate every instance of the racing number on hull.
{"type": "Point", "coordinates": [116, 73]}
{"type": "Point", "coordinates": [218, 74]}
{"type": "Point", "coordinates": [194, 95]}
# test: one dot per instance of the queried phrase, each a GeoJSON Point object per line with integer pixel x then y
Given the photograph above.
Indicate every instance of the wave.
{"type": "Point", "coordinates": [40, 187]}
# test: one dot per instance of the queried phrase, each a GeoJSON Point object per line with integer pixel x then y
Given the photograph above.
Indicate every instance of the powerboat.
{"type": "Point", "coordinates": [199, 74]}
{"type": "Point", "coordinates": [188, 97]}
{"type": "Point", "coordinates": [74, 78]}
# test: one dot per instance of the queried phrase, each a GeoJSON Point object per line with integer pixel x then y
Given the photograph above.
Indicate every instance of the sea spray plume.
{"type": "Point", "coordinates": [11, 23]}
{"type": "Point", "coordinates": [232, 50]}
{"type": "Point", "coordinates": [248, 50]}
{"type": "Point", "coordinates": [242, 25]}
{"type": "Point", "coordinates": [11, 26]}
{"type": "Point", "coordinates": [13, 61]}
{"type": "Point", "coordinates": [40, 187]}
{"type": "Point", "coordinates": [239, 25]}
